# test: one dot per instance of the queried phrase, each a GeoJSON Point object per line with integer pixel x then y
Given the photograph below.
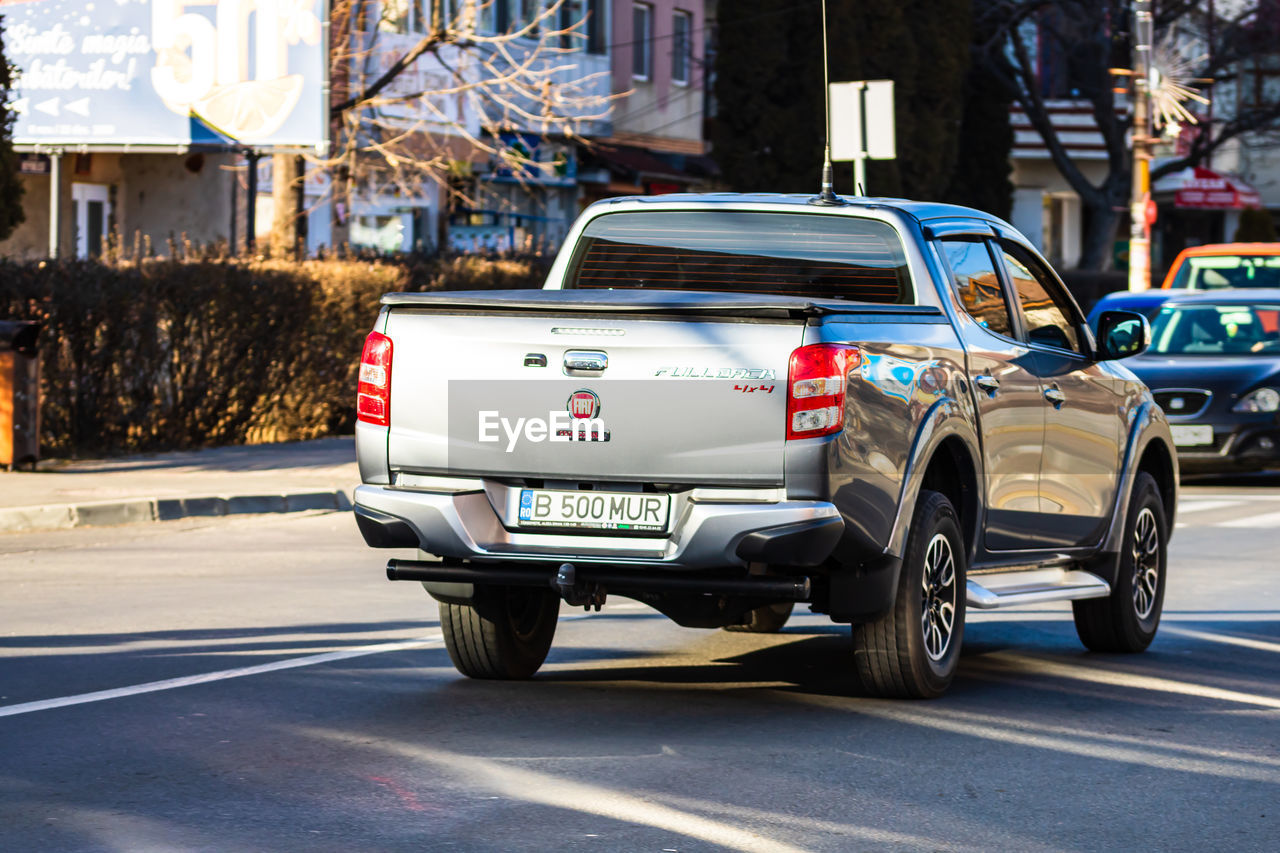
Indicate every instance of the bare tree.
{"type": "Point", "coordinates": [420, 89]}
{"type": "Point", "coordinates": [1093, 36]}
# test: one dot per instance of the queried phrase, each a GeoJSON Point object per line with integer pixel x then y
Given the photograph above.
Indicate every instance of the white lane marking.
{"type": "Point", "coordinates": [535, 786]}
{"type": "Point", "coordinates": [1205, 506]}
{"type": "Point", "coordinates": [1271, 519]}
{"type": "Point", "coordinates": [221, 675]}
{"type": "Point", "coordinates": [1113, 678]}
{"type": "Point", "coordinates": [1029, 733]}
{"type": "Point", "coordinates": [1225, 639]}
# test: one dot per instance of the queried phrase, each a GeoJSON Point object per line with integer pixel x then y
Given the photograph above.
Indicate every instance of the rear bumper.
{"type": "Point", "coordinates": [704, 535]}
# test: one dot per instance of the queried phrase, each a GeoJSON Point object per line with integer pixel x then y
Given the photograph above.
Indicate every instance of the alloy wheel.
{"type": "Point", "coordinates": [1146, 562]}
{"type": "Point", "coordinates": [938, 597]}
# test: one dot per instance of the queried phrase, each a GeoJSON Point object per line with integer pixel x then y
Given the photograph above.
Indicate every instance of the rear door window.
{"type": "Point", "coordinates": [790, 254]}
{"type": "Point", "coordinates": [973, 273]}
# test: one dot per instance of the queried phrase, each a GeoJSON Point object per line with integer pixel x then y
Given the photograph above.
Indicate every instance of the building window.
{"type": "Point", "coordinates": [498, 15]}
{"type": "Point", "coordinates": [509, 16]}
{"type": "Point", "coordinates": [573, 32]}
{"type": "Point", "coordinates": [410, 16]}
{"type": "Point", "coordinates": [1259, 84]}
{"type": "Point", "coordinates": [530, 12]}
{"type": "Point", "coordinates": [642, 41]}
{"type": "Point", "coordinates": [596, 41]}
{"type": "Point", "coordinates": [396, 16]}
{"type": "Point", "coordinates": [681, 31]}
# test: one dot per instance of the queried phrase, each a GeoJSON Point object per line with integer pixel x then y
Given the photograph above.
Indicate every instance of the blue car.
{"type": "Point", "coordinates": [1214, 367]}
{"type": "Point", "coordinates": [1145, 302]}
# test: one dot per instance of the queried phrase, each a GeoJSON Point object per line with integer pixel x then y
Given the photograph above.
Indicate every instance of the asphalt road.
{"type": "Point", "coordinates": [255, 684]}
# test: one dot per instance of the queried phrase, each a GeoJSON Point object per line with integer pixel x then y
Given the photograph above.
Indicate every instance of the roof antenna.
{"type": "Point", "coordinates": [827, 196]}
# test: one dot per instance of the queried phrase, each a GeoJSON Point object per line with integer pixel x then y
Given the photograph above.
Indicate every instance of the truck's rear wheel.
{"type": "Point", "coordinates": [1126, 621]}
{"type": "Point", "coordinates": [505, 633]}
{"type": "Point", "coordinates": [765, 620]}
{"type": "Point", "coordinates": [913, 651]}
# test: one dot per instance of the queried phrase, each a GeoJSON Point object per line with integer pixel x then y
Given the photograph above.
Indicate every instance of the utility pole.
{"type": "Point", "coordinates": [1139, 230]}
{"type": "Point", "coordinates": [1208, 121]}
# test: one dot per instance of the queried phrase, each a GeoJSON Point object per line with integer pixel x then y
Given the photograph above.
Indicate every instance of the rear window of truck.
{"type": "Point", "coordinates": [789, 254]}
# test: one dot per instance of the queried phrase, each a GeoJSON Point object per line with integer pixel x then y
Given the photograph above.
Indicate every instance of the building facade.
{"type": "Point", "coordinates": [1048, 210]}
{"type": "Point", "coordinates": [659, 55]}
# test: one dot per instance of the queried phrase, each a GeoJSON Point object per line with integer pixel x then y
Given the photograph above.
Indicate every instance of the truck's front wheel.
{"type": "Point", "coordinates": [1126, 621]}
{"type": "Point", "coordinates": [505, 633]}
{"type": "Point", "coordinates": [913, 651]}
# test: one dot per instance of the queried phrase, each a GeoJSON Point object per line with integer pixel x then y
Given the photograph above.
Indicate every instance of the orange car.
{"type": "Point", "coordinates": [1222, 265]}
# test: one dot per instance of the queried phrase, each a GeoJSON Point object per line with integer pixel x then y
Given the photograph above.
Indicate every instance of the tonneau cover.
{"type": "Point", "coordinates": [647, 301]}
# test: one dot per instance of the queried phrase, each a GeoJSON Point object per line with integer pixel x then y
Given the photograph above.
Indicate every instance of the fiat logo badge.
{"type": "Point", "coordinates": [583, 403]}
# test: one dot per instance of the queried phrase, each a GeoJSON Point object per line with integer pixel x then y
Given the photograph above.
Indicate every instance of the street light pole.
{"type": "Point", "coordinates": [1140, 194]}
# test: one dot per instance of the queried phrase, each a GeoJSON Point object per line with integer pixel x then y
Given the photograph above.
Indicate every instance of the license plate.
{"type": "Point", "coordinates": [1191, 435]}
{"type": "Point", "coordinates": [633, 511]}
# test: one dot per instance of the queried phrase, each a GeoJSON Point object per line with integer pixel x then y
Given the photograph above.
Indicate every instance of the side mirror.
{"type": "Point", "coordinates": [1122, 334]}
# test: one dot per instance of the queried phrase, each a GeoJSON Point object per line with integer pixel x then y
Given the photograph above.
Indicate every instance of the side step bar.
{"type": "Point", "coordinates": [1009, 589]}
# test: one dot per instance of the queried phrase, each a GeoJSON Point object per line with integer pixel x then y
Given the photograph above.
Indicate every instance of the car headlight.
{"type": "Point", "coordinates": [1259, 400]}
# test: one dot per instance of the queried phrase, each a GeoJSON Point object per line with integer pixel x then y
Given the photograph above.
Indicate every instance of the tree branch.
{"type": "Point", "coordinates": [427, 43]}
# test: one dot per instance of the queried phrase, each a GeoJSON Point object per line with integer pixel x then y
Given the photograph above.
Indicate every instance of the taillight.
{"type": "Point", "coordinates": [816, 385]}
{"type": "Point", "coordinates": [373, 395]}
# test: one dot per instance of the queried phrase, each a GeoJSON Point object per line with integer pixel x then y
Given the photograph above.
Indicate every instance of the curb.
{"type": "Point", "coordinates": [138, 510]}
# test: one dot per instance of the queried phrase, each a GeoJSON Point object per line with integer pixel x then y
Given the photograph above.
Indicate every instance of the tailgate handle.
{"type": "Point", "coordinates": [592, 360]}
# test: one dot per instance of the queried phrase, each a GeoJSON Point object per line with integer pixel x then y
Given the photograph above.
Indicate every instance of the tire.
{"type": "Point", "coordinates": [765, 620]}
{"type": "Point", "coordinates": [913, 651]}
{"type": "Point", "coordinates": [1126, 621]}
{"type": "Point", "coordinates": [506, 633]}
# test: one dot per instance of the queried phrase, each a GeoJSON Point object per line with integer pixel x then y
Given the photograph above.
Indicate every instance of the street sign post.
{"type": "Point", "coordinates": [862, 125]}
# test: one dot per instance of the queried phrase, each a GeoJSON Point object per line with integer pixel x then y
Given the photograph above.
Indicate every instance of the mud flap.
{"type": "Point", "coordinates": [865, 592]}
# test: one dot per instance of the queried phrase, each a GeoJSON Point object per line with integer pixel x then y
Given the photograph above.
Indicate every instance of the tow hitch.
{"type": "Point", "coordinates": [578, 594]}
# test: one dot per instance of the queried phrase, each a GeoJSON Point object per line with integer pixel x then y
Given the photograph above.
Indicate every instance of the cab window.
{"type": "Point", "coordinates": [1046, 312]}
{"type": "Point", "coordinates": [973, 274]}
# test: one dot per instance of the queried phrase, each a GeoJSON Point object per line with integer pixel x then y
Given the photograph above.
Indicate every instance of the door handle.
{"type": "Point", "coordinates": [987, 383]}
{"type": "Point", "coordinates": [592, 360]}
{"type": "Point", "coordinates": [1053, 395]}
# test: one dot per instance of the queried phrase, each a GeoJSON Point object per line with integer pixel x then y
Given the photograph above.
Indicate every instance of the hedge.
{"type": "Point", "coordinates": [176, 354]}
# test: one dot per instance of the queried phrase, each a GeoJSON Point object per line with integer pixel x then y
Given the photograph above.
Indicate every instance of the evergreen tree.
{"type": "Point", "coordinates": [769, 128]}
{"type": "Point", "coordinates": [986, 144]}
{"type": "Point", "coordinates": [10, 186]}
{"type": "Point", "coordinates": [767, 131]}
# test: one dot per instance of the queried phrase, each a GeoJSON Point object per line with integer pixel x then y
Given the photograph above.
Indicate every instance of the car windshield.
{"type": "Point", "coordinates": [792, 254]}
{"type": "Point", "coordinates": [1217, 272]}
{"type": "Point", "coordinates": [1216, 330]}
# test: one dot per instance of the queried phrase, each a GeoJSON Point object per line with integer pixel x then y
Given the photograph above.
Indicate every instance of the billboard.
{"type": "Point", "coordinates": [165, 72]}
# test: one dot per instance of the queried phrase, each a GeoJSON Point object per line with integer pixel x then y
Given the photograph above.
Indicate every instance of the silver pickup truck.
{"type": "Point", "coordinates": [721, 405]}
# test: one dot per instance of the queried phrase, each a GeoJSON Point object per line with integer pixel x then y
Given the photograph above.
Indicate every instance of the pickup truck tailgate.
{"type": "Point", "coordinates": [681, 400]}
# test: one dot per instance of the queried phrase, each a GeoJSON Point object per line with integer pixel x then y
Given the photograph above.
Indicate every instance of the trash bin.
{"type": "Point", "coordinates": [19, 394]}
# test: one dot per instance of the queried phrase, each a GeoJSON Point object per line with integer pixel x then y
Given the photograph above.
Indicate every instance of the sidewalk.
{"type": "Point", "coordinates": [160, 487]}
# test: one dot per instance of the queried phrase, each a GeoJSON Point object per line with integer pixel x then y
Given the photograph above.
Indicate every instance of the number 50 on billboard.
{"type": "Point", "coordinates": [135, 72]}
